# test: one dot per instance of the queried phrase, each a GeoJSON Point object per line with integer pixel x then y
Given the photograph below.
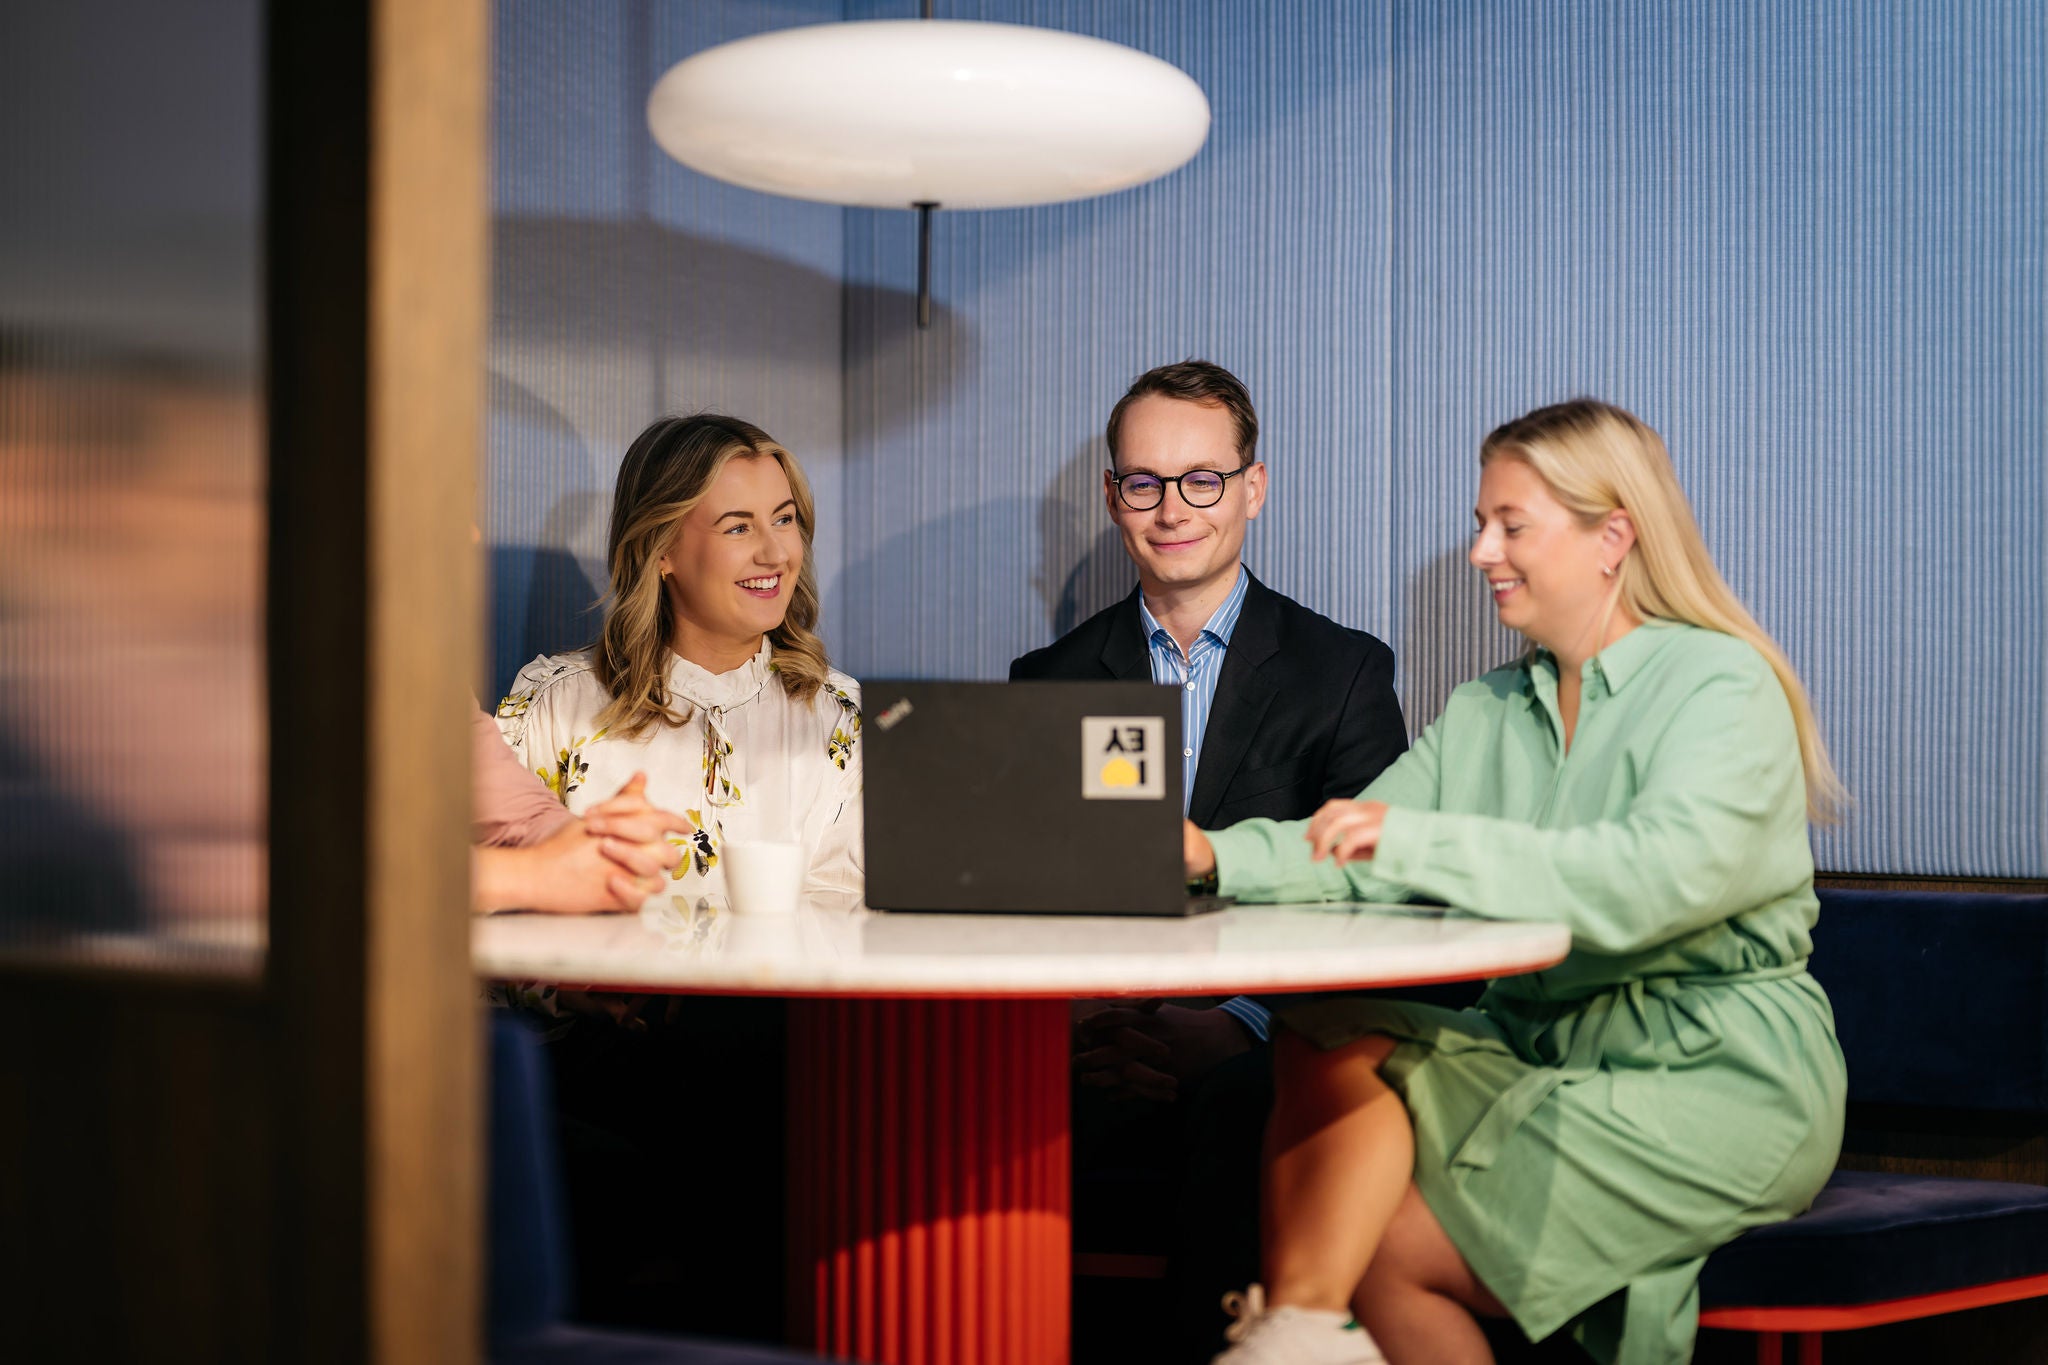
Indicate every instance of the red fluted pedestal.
{"type": "Point", "coordinates": [929, 1185]}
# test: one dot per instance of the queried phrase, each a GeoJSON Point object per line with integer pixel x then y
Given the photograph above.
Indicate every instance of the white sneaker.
{"type": "Point", "coordinates": [1292, 1336]}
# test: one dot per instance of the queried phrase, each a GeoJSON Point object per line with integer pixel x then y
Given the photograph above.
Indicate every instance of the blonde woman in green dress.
{"type": "Point", "coordinates": [1569, 1151]}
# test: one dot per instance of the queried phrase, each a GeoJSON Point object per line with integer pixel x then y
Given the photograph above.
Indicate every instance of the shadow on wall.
{"type": "Point", "coordinates": [601, 326]}
{"type": "Point", "coordinates": [543, 598]}
{"type": "Point", "coordinates": [1082, 565]}
{"type": "Point", "coordinates": [909, 617]}
{"type": "Point", "coordinates": [900, 609]}
{"type": "Point", "coordinates": [1449, 635]}
{"type": "Point", "coordinates": [556, 608]}
{"type": "Point", "coordinates": [899, 378]}
{"type": "Point", "coordinates": [941, 630]}
{"type": "Point", "coordinates": [607, 293]}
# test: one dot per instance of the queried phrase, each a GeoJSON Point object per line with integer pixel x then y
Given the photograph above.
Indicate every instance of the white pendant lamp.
{"type": "Point", "coordinates": [922, 113]}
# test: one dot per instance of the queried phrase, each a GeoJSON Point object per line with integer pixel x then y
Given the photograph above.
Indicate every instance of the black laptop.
{"type": "Point", "coordinates": [1049, 797]}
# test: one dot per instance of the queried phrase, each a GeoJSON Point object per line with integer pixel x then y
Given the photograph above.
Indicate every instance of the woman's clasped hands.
{"type": "Point", "coordinates": [631, 834]}
{"type": "Point", "coordinates": [612, 857]}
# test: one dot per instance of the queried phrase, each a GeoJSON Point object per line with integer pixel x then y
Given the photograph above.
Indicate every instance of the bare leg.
{"type": "Point", "coordinates": [1419, 1296]}
{"type": "Point", "coordinates": [1340, 1152]}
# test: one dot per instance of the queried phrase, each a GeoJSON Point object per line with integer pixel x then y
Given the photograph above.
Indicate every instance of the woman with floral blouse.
{"type": "Point", "coordinates": [707, 675]}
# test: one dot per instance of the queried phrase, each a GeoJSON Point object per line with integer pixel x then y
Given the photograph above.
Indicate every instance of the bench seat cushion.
{"type": "Point", "coordinates": [1872, 1237]}
{"type": "Point", "coordinates": [1941, 998]}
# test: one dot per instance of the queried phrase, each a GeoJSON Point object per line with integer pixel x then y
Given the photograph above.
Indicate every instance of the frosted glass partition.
{"type": "Point", "coordinates": [131, 477]}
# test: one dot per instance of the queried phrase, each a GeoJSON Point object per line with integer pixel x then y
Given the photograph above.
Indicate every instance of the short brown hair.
{"type": "Point", "coordinates": [1193, 381]}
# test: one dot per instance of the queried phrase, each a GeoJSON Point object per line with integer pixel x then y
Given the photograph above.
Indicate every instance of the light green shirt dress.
{"type": "Point", "coordinates": [1587, 1134]}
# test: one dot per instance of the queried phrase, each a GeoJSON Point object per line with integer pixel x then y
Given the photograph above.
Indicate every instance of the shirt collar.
{"type": "Point", "coordinates": [701, 687]}
{"type": "Point", "coordinates": [1623, 659]}
{"type": "Point", "coordinates": [1222, 622]}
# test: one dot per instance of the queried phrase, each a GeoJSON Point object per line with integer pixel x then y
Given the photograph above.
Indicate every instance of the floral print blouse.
{"type": "Point", "coordinates": [748, 762]}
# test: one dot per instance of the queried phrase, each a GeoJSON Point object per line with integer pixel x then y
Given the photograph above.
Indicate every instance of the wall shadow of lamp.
{"type": "Point", "coordinates": [543, 577]}
{"type": "Point", "coordinates": [927, 114]}
{"type": "Point", "coordinates": [543, 601]}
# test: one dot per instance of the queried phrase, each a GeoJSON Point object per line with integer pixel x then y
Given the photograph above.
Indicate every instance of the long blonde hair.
{"type": "Point", "coordinates": [1597, 458]}
{"type": "Point", "coordinates": [666, 473]}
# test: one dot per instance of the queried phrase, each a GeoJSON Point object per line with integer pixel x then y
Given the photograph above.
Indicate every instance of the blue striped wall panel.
{"type": "Point", "coordinates": [1809, 244]}
{"type": "Point", "coordinates": [974, 450]}
{"type": "Point", "coordinates": [1809, 248]}
{"type": "Point", "coordinates": [625, 286]}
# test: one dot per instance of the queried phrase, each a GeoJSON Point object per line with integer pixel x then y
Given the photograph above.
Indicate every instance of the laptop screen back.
{"type": "Point", "coordinates": [1059, 797]}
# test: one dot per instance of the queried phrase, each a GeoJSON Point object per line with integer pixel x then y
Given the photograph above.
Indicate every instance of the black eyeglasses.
{"type": "Point", "coordinates": [1198, 488]}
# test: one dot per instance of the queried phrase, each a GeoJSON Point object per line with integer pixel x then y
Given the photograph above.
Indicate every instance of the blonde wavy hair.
{"type": "Point", "coordinates": [666, 473]}
{"type": "Point", "coordinates": [1596, 458]}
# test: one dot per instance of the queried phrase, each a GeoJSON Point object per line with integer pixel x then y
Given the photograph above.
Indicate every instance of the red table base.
{"type": "Point", "coordinates": [929, 1182]}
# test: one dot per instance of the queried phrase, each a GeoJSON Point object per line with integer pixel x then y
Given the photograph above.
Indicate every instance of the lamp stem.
{"type": "Point", "coordinates": [924, 263]}
{"type": "Point", "coordinates": [924, 238]}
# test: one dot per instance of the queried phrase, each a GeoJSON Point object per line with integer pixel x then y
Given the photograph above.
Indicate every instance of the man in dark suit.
{"type": "Point", "coordinates": [1282, 709]}
{"type": "Point", "coordinates": [1304, 709]}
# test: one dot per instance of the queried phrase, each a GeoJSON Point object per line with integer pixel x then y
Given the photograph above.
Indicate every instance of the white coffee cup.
{"type": "Point", "coordinates": [763, 877]}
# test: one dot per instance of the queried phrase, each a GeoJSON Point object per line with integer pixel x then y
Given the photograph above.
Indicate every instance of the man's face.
{"type": "Point", "coordinates": [1177, 547]}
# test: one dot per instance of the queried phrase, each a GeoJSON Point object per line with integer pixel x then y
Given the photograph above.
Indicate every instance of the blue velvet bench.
{"type": "Point", "coordinates": [1941, 1002]}
{"type": "Point", "coordinates": [528, 1266]}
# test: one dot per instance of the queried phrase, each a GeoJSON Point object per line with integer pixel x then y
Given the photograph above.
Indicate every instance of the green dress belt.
{"type": "Point", "coordinates": [1586, 1050]}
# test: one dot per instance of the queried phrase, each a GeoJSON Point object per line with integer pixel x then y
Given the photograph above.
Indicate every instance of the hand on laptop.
{"type": "Point", "coordinates": [1150, 1050]}
{"type": "Point", "coordinates": [1195, 849]}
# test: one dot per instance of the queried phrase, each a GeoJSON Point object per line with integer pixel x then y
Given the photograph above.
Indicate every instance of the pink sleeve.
{"type": "Point", "coordinates": [511, 805]}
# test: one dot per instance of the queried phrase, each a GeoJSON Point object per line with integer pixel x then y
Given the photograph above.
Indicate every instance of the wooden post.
{"type": "Point", "coordinates": [378, 279]}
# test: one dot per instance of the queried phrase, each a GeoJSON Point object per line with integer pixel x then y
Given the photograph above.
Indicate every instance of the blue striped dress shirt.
{"type": "Point", "coordinates": [1195, 674]}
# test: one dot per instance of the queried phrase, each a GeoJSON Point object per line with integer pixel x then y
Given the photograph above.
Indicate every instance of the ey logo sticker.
{"type": "Point", "coordinates": [1123, 758]}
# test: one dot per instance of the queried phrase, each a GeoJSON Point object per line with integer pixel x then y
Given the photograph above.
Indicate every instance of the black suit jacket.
{"type": "Point", "coordinates": [1305, 708]}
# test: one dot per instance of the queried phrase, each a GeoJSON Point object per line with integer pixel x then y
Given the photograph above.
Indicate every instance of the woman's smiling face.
{"type": "Point", "coordinates": [1545, 569]}
{"type": "Point", "coordinates": [733, 563]}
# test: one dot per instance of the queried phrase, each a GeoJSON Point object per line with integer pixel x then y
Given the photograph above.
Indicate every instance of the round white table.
{"type": "Point", "coordinates": [928, 1074]}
